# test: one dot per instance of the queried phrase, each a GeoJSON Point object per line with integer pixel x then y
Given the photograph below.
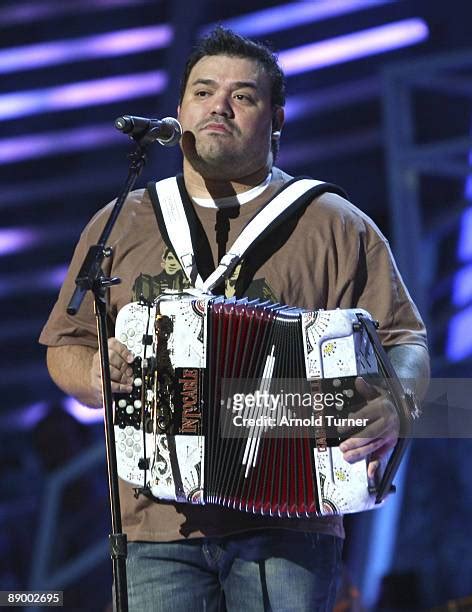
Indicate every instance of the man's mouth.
{"type": "Point", "coordinates": [216, 127]}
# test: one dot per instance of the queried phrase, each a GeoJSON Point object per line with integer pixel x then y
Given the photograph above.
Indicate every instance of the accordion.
{"type": "Point", "coordinates": [237, 402]}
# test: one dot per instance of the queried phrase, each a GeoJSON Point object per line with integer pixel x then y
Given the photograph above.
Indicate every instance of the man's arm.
{"type": "Point", "coordinates": [411, 363]}
{"type": "Point", "coordinates": [76, 370]}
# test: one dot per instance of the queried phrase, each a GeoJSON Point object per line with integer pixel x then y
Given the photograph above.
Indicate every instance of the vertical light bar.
{"type": "Point", "coordinates": [462, 286]}
{"type": "Point", "coordinates": [464, 245]}
{"type": "Point", "coordinates": [459, 341]}
{"type": "Point", "coordinates": [382, 538]}
{"type": "Point", "coordinates": [459, 337]}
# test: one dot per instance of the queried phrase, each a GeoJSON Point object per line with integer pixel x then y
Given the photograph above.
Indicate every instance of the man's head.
{"type": "Point", "coordinates": [235, 84]}
{"type": "Point", "coordinates": [225, 42]}
{"type": "Point", "coordinates": [169, 262]}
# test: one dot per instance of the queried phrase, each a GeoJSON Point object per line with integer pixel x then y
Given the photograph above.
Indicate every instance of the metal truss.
{"type": "Point", "coordinates": [412, 165]}
{"type": "Point", "coordinates": [417, 162]}
{"type": "Point", "coordinates": [46, 574]}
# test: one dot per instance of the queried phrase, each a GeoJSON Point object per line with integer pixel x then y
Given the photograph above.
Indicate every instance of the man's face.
{"type": "Point", "coordinates": [226, 116]}
{"type": "Point", "coordinates": [171, 265]}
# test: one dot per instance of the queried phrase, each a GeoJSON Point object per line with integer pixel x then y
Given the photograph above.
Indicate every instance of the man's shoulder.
{"type": "Point", "coordinates": [137, 203]}
{"type": "Point", "coordinates": [332, 209]}
{"type": "Point", "coordinates": [330, 201]}
{"type": "Point", "coordinates": [347, 217]}
{"type": "Point", "coordinates": [136, 199]}
{"type": "Point", "coordinates": [331, 198]}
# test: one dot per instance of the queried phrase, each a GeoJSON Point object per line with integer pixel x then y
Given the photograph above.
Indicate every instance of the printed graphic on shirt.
{"type": "Point", "coordinates": [259, 287]}
{"type": "Point", "coordinates": [172, 277]}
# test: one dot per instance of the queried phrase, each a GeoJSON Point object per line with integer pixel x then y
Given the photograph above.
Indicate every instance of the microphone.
{"type": "Point", "coordinates": [167, 131]}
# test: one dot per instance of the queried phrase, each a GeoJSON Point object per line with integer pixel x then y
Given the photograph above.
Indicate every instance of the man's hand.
{"type": "Point", "coordinates": [381, 432]}
{"type": "Point", "coordinates": [120, 370]}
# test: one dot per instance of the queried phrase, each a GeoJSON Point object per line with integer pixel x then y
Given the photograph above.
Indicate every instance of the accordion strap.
{"type": "Point", "coordinates": [171, 212]}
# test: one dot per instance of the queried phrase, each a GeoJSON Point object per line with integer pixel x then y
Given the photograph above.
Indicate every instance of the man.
{"type": "Point", "coordinates": [171, 277]}
{"type": "Point", "coordinates": [327, 255]}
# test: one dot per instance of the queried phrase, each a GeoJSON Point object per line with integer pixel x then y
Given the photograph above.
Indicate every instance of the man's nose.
{"type": "Point", "coordinates": [222, 105]}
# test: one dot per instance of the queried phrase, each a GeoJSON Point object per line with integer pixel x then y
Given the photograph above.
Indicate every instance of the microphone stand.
{"type": "Point", "coordinates": [92, 278]}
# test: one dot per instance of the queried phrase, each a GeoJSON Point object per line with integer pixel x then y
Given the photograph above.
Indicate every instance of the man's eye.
{"type": "Point", "coordinates": [202, 94]}
{"type": "Point", "coordinates": [243, 97]}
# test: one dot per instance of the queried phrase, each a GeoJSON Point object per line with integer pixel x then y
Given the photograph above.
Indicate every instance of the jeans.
{"type": "Point", "coordinates": [276, 570]}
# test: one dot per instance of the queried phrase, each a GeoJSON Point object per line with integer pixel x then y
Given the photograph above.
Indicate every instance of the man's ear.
{"type": "Point", "coordinates": [278, 120]}
{"type": "Point", "coordinates": [178, 111]}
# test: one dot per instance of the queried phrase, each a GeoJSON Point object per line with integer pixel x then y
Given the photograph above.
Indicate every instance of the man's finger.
{"type": "Point", "coordinates": [352, 455]}
{"type": "Point", "coordinates": [117, 387]}
{"type": "Point", "coordinates": [367, 391]}
{"type": "Point", "coordinates": [119, 348]}
{"type": "Point", "coordinates": [372, 468]}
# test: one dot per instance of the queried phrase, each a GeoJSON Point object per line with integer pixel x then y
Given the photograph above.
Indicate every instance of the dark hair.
{"type": "Point", "coordinates": [221, 41]}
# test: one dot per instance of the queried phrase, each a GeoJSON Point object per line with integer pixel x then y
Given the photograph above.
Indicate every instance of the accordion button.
{"type": "Point", "coordinates": [122, 403]}
{"type": "Point", "coordinates": [129, 442]}
{"type": "Point", "coordinates": [137, 436]}
{"type": "Point", "coordinates": [137, 382]}
{"type": "Point", "coordinates": [129, 431]}
{"type": "Point", "coordinates": [123, 338]}
{"type": "Point", "coordinates": [137, 404]}
{"type": "Point", "coordinates": [137, 448]}
{"type": "Point", "coordinates": [129, 409]}
{"type": "Point", "coordinates": [129, 453]}
{"type": "Point", "coordinates": [131, 343]}
{"type": "Point", "coordinates": [122, 435]}
{"type": "Point", "coordinates": [130, 332]}
{"type": "Point", "coordinates": [122, 447]}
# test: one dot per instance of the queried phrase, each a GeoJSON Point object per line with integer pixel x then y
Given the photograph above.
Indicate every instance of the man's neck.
{"type": "Point", "coordinates": [199, 187]}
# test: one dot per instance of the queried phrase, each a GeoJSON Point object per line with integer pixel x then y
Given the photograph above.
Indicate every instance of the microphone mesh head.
{"type": "Point", "coordinates": [176, 134]}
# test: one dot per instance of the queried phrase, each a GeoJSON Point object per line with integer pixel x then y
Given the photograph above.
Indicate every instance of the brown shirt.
{"type": "Point", "coordinates": [328, 255]}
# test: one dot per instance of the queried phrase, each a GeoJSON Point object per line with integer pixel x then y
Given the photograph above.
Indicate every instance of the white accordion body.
{"type": "Point", "coordinates": [183, 457]}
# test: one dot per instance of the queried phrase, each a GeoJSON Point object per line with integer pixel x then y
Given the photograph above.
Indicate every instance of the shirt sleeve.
{"type": "Point", "coordinates": [61, 328]}
{"type": "Point", "coordinates": [383, 293]}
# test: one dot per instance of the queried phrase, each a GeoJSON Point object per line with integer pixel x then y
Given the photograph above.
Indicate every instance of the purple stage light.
{"type": "Point", "coordinates": [293, 14]}
{"type": "Point", "coordinates": [462, 286]}
{"type": "Point", "coordinates": [459, 341]}
{"type": "Point", "coordinates": [44, 280]}
{"type": "Point", "coordinates": [25, 418]}
{"type": "Point", "coordinates": [329, 98]}
{"type": "Point", "coordinates": [464, 246]}
{"type": "Point", "coordinates": [53, 143]}
{"type": "Point", "coordinates": [13, 240]}
{"type": "Point", "coordinates": [28, 11]}
{"type": "Point", "coordinates": [353, 46]}
{"type": "Point", "coordinates": [85, 93]}
{"type": "Point", "coordinates": [82, 413]}
{"type": "Point", "coordinates": [54, 277]}
{"type": "Point", "coordinates": [121, 42]}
